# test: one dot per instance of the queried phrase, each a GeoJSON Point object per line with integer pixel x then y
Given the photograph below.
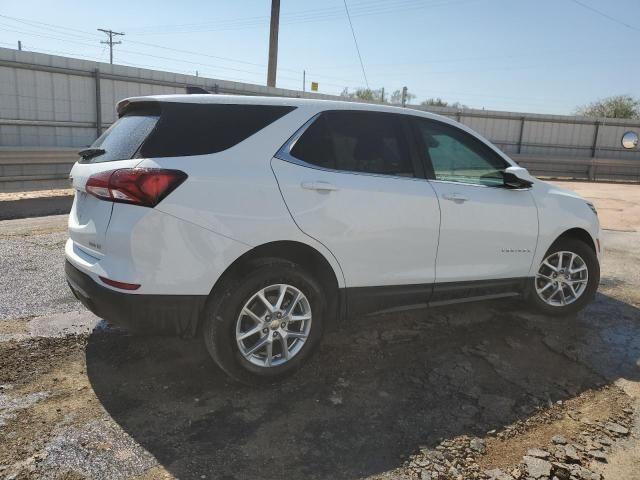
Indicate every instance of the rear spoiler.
{"type": "Point", "coordinates": [192, 90]}
{"type": "Point", "coordinates": [125, 106]}
{"type": "Point", "coordinates": [147, 106]}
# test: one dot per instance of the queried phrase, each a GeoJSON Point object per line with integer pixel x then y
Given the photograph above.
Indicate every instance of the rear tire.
{"type": "Point", "coordinates": [238, 308]}
{"type": "Point", "coordinates": [566, 280]}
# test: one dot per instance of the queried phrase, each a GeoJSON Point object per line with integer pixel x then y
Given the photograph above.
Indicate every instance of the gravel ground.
{"type": "Point", "coordinates": [32, 265]}
{"type": "Point", "coordinates": [476, 391]}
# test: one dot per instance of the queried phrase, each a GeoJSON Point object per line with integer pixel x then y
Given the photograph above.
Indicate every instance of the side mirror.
{"type": "Point", "coordinates": [516, 178]}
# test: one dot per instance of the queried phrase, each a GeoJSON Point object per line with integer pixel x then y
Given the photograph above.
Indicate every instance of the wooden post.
{"type": "Point", "coordinates": [96, 75]}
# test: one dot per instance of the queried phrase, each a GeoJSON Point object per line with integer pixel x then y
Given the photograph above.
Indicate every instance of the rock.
{"type": "Point", "coordinates": [584, 473]}
{"type": "Point", "coordinates": [594, 445]}
{"type": "Point", "coordinates": [598, 455]}
{"type": "Point", "coordinates": [497, 474]}
{"type": "Point", "coordinates": [477, 445]}
{"type": "Point", "coordinates": [561, 471]}
{"type": "Point", "coordinates": [616, 428]}
{"type": "Point", "coordinates": [559, 440]}
{"type": "Point", "coordinates": [537, 467]}
{"type": "Point", "coordinates": [571, 454]}
{"type": "Point", "coordinates": [425, 475]}
{"type": "Point", "coordinates": [536, 452]}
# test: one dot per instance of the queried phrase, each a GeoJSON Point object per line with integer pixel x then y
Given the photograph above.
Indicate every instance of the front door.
{"type": "Point", "coordinates": [488, 232]}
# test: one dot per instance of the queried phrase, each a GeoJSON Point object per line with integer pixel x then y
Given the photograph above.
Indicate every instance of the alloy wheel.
{"type": "Point", "coordinates": [273, 325]}
{"type": "Point", "coordinates": [561, 279]}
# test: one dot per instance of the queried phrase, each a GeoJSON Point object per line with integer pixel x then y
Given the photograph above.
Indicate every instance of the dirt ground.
{"type": "Point", "coordinates": [618, 204]}
{"type": "Point", "coordinates": [476, 391]}
{"type": "Point", "coordinates": [57, 192]}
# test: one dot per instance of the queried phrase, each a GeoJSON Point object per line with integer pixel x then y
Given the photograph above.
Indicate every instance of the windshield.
{"type": "Point", "coordinates": [123, 139]}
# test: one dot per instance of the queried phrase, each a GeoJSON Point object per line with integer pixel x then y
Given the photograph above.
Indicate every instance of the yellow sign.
{"type": "Point", "coordinates": [314, 86]}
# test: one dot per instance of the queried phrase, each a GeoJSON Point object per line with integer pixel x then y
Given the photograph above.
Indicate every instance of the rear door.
{"type": "Point", "coordinates": [488, 232]}
{"type": "Point", "coordinates": [89, 216]}
{"type": "Point", "coordinates": [352, 182]}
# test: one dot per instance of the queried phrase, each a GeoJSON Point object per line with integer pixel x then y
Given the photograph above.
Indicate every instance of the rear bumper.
{"type": "Point", "coordinates": [147, 314]}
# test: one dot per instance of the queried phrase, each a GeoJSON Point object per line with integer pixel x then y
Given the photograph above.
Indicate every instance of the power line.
{"type": "Point", "coordinates": [364, 74]}
{"type": "Point", "coordinates": [504, 99]}
{"type": "Point", "coordinates": [264, 19]}
{"type": "Point", "coordinates": [56, 29]}
{"type": "Point", "coordinates": [301, 17]}
{"type": "Point", "coordinates": [605, 15]}
{"type": "Point", "coordinates": [151, 55]}
{"type": "Point", "coordinates": [110, 42]}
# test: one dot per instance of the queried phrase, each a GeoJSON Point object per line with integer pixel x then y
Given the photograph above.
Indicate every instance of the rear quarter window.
{"type": "Point", "coordinates": [198, 129]}
{"type": "Point", "coordinates": [122, 140]}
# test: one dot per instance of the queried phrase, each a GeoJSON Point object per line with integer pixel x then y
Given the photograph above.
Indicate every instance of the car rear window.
{"type": "Point", "coordinates": [198, 129]}
{"type": "Point", "coordinates": [122, 140]}
{"type": "Point", "coordinates": [182, 129]}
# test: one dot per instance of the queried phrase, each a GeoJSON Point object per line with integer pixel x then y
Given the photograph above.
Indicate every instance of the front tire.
{"type": "Point", "coordinates": [567, 278]}
{"type": "Point", "coordinates": [262, 327]}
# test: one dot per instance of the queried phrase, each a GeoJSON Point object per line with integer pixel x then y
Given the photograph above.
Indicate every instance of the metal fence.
{"type": "Point", "coordinates": [51, 105]}
{"type": "Point", "coordinates": [558, 146]}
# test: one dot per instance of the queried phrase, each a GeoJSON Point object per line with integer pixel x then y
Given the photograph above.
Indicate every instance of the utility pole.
{"type": "Point", "coordinates": [273, 43]}
{"type": "Point", "coordinates": [19, 45]}
{"type": "Point", "coordinates": [304, 80]}
{"type": "Point", "coordinates": [382, 95]}
{"type": "Point", "coordinates": [110, 42]}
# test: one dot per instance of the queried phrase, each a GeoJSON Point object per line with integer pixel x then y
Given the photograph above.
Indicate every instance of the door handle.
{"type": "Point", "coordinates": [319, 186]}
{"type": "Point", "coordinates": [455, 197]}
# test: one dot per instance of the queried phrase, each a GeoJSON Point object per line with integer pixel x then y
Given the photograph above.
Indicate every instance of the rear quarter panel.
{"type": "Point", "coordinates": [234, 193]}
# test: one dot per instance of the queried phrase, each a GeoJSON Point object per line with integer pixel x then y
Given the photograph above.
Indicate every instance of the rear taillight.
{"type": "Point", "coordinates": [138, 186]}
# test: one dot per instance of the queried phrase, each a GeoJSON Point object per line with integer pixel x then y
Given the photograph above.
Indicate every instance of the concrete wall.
{"type": "Point", "coordinates": [50, 106]}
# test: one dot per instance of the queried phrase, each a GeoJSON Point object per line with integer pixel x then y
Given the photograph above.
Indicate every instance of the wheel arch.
{"type": "Point", "coordinates": [308, 257]}
{"type": "Point", "coordinates": [577, 233]}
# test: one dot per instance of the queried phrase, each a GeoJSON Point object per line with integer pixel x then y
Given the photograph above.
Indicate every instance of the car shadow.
{"type": "Point", "coordinates": [375, 391]}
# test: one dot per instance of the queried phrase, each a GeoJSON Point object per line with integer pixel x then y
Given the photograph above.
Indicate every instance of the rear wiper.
{"type": "Point", "coordinates": [89, 153]}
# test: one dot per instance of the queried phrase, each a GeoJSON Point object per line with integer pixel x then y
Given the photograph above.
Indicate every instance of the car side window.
{"type": "Point", "coordinates": [356, 141]}
{"type": "Point", "coordinates": [457, 156]}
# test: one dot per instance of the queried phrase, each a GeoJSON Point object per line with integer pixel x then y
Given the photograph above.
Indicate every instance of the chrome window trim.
{"type": "Point", "coordinates": [478, 185]}
{"type": "Point", "coordinates": [284, 153]}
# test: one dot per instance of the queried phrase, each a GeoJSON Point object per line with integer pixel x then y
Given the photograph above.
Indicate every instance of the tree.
{"type": "Point", "coordinates": [365, 94]}
{"type": "Point", "coordinates": [438, 102]}
{"type": "Point", "coordinates": [369, 95]}
{"type": "Point", "coordinates": [396, 97]}
{"type": "Point", "coordinates": [619, 106]}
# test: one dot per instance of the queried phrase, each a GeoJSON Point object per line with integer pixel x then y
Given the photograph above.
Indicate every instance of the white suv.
{"type": "Point", "coordinates": [257, 222]}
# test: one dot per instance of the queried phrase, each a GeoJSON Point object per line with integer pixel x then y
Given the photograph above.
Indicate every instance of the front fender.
{"type": "Point", "coordinates": [561, 210]}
